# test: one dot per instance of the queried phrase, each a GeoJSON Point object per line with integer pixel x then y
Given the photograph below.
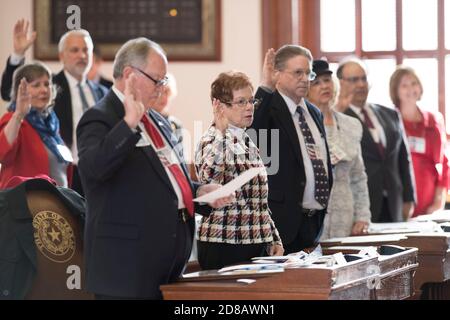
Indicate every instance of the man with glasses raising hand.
{"type": "Point", "coordinates": [299, 191]}
{"type": "Point", "coordinates": [385, 152]}
{"type": "Point", "coordinates": [140, 209]}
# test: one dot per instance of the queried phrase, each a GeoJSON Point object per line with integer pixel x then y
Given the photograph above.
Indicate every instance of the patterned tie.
{"type": "Point", "coordinates": [84, 102]}
{"type": "Point", "coordinates": [174, 168]}
{"type": "Point", "coordinates": [371, 127]}
{"type": "Point", "coordinates": [322, 189]}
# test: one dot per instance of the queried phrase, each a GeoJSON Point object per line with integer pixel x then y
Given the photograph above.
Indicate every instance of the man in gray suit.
{"type": "Point", "coordinates": [384, 147]}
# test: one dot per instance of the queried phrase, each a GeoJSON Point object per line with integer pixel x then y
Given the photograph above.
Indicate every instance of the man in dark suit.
{"type": "Point", "coordinates": [139, 225]}
{"type": "Point", "coordinates": [384, 148]}
{"type": "Point", "coordinates": [75, 92]}
{"type": "Point", "coordinates": [299, 189]}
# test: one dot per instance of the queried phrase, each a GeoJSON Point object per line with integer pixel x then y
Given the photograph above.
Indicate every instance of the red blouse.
{"type": "Point", "coordinates": [26, 157]}
{"type": "Point", "coordinates": [427, 141]}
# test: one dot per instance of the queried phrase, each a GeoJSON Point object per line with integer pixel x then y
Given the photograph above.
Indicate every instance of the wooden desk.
{"type": "Point", "coordinates": [351, 281]}
{"type": "Point", "coordinates": [396, 267]}
{"type": "Point", "coordinates": [433, 274]}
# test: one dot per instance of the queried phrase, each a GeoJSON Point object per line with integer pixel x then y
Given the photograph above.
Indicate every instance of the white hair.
{"type": "Point", "coordinates": [78, 32]}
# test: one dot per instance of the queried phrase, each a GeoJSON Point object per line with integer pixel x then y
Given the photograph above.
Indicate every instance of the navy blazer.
{"type": "Point", "coordinates": [393, 172]}
{"type": "Point", "coordinates": [63, 100]}
{"type": "Point", "coordinates": [132, 208]}
{"type": "Point", "coordinates": [286, 187]}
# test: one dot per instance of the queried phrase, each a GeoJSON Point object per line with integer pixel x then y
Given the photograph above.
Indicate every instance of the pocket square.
{"type": "Point", "coordinates": [143, 143]}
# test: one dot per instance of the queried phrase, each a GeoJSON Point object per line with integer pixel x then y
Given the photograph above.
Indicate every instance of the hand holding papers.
{"type": "Point", "coordinates": [229, 188]}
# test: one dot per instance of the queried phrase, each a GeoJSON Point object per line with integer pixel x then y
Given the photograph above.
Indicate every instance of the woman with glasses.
{"type": "Point", "coordinates": [427, 141]}
{"type": "Point", "coordinates": [349, 205]}
{"type": "Point", "coordinates": [30, 143]}
{"type": "Point", "coordinates": [244, 229]}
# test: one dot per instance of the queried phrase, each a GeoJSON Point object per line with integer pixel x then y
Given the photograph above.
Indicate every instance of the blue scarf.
{"type": "Point", "coordinates": [47, 125]}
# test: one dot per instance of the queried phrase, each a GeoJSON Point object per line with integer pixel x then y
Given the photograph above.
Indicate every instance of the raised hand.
{"type": "Point", "coordinates": [21, 37]}
{"type": "Point", "coordinates": [268, 72]}
{"type": "Point", "coordinates": [23, 100]}
{"type": "Point", "coordinates": [134, 108]}
{"type": "Point", "coordinates": [344, 99]}
{"type": "Point", "coordinates": [220, 120]}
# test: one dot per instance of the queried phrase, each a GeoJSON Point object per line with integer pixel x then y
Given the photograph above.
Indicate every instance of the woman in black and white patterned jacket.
{"type": "Point", "coordinates": [244, 229]}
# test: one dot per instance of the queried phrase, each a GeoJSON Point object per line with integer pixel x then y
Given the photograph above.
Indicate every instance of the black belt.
{"type": "Point", "coordinates": [183, 214]}
{"type": "Point", "coordinates": [309, 212]}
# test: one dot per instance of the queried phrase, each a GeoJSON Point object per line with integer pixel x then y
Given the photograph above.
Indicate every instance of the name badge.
{"type": "Point", "coordinates": [65, 153]}
{"type": "Point", "coordinates": [417, 144]}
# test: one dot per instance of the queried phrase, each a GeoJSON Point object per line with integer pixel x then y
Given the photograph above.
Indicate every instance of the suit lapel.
{"type": "Point", "coordinates": [286, 123]}
{"type": "Point", "coordinates": [367, 136]}
{"type": "Point", "coordinates": [167, 133]}
{"type": "Point", "coordinates": [63, 107]}
{"type": "Point", "coordinates": [93, 91]}
{"type": "Point", "coordinates": [384, 124]}
{"type": "Point", "coordinates": [149, 152]}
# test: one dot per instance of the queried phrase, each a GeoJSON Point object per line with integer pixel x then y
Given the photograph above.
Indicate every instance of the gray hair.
{"type": "Point", "coordinates": [78, 32]}
{"type": "Point", "coordinates": [349, 60]}
{"type": "Point", "coordinates": [135, 53]}
{"type": "Point", "coordinates": [289, 51]}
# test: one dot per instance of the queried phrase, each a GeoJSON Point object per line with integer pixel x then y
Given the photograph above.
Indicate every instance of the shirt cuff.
{"type": "Point", "coordinates": [16, 59]}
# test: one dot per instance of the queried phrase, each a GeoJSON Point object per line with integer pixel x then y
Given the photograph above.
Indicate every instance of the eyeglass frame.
{"type": "Point", "coordinates": [354, 80]}
{"type": "Point", "coordinates": [254, 103]}
{"type": "Point", "coordinates": [299, 73]}
{"type": "Point", "coordinates": [158, 83]}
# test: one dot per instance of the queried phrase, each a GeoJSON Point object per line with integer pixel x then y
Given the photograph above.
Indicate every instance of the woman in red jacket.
{"type": "Point", "coordinates": [30, 143]}
{"type": "Point", "coordinates": [427, 141]}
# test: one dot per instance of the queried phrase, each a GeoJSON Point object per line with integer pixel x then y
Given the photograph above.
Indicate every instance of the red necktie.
{"type": "Point", "coordinates": [370, 125]}
{"type": "Point", "coordinates": [175, 169]}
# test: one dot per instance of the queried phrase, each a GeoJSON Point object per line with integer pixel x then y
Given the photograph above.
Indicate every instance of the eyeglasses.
{"type": "Point", "coordinates": [299, 73]}
{"type": "Point", "coordinates": [243, 102]}
{"type": "Point", "coordinates": [354, 80]}
{"type": "Point", "coordinates": [158, 83]}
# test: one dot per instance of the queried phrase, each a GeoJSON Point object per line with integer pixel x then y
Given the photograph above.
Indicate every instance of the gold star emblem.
{"type": "Point", "coordinates": [54, 234]}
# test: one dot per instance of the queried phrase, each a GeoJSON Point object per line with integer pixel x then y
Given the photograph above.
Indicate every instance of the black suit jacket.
{"type": "Point", "coordinates": [286, 187]}
{"type": "Point", "coordinates": [63, 100]}
{"type": "Point", "coordinates": [393, 172]}
{"type": "Point", "coordinates": [132, 208]}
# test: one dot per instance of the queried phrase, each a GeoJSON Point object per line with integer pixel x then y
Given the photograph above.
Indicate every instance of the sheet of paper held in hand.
{"type": "Point", "coordinates": [230, 187]}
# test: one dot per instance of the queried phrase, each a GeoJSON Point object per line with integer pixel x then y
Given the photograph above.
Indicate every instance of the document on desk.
{"type": "Point", "coordinates": [252, 267]}
{"type": "Point", "coordinates": [230, 187]}
{"type": "Point", "coordinates": [404, 227]}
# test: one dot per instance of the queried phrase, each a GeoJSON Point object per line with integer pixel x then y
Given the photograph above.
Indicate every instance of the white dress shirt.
{"type": "Point", "coordinates": [309, 200]}
{"type": "Point", "coordinates": [77, 107]}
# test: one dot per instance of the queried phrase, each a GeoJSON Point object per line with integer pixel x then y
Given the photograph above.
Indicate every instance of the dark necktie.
{"type": "Point", "coordinates": [174, 168]}
{"type": "Point", "coordinates": [371, 127]}
{"type": "Point", "coordinates": [83, 99]}
{"type": "Point", "coordinates": [322, 188]}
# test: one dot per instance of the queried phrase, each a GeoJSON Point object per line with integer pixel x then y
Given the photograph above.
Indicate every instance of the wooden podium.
{"type": "Point", "coordinates": [59, 248]}
{"type": "Point", "coordinates": [354, 280]}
